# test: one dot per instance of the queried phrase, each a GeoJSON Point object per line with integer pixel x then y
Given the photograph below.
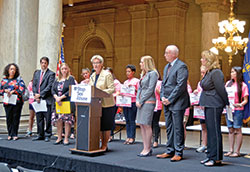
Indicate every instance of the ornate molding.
{"type": "Point", "coordinates": [213, 5]}
{"type": "Point", "coordinates": [95, 31]}
{"type": "Point", "coordinates": [92, 26]}
{"type": "Point", "coordinates": [173, 7]}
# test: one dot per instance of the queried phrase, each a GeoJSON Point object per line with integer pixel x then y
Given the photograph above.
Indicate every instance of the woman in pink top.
{"type": "Point", "coordinates": [32, 112]}
{"type": "Point", "coordinates": [157, 113]}
{"type": "Point", "coordinates": [117, 91]}
{"type": "Point", "coordinates": [130, 112]}
{"type": "Point", "coordinates": [240, 99]}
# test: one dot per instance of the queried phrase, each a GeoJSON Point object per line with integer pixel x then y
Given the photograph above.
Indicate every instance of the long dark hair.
{"type": "Point", "coordinates": [239, 77]}
{"type": "Point", "coordinates": [6, 70]}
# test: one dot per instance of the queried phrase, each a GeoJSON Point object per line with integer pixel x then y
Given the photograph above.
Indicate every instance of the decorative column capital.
{"type": "Point", "coordinates": [213, 5]}
{"type": "Point", "coordinates": [173, 7]}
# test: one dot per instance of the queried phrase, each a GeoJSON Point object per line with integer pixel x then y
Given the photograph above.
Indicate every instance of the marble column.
{"type": "Point", "coordinates": [49, 31]}
{"type": "Point", "coordinates": [18, 41]}
{"type": "Point", "coordinates": [211, 10]}
{"type": "Point", "coordinates": [138, 33]}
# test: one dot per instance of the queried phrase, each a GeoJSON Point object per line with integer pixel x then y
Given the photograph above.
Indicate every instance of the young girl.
{"type": "Point", "coordinates": [130, 112]}
{"type": "Point", "coordinates": [241, 94]}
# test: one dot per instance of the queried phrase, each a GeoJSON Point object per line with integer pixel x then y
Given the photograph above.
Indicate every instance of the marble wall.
{"type": "Point", "coordinates": [129, 32]}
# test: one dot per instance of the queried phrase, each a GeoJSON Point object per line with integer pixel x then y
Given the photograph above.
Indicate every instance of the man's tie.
{"type": "Point", "coordinates": [169, 68]}
{"type": "Point", "coordinates": [41, 78]}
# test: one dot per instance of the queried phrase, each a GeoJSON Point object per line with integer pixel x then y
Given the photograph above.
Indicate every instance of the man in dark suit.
{"type": "Point", "coordinates": [175, 98]}
{"type": "Point", "coordinates": [42, 84]}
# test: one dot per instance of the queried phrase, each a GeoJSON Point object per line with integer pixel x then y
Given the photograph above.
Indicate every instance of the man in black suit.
{"type": "Point", "coordinates": [42, 84]}
{"type": "Point", "coordinates": [175, 98]}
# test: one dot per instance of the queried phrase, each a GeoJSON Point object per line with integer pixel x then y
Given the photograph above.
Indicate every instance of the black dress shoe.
{"type": "Point", "coordinates": [205, 160]}
{"type": "Point", "coordinates": [46, 139]}
{"type": "Point", "coordinates": [57, 143]}
{"type": "Point", "coordinates": [66, 144]}
{"type": "Point", "coordinates": [38, 138]}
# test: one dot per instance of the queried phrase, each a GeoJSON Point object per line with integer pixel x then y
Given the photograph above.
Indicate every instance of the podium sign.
{"type": "Point", "coordinates": [88, 112]}
{"type": "Point", "coordinates": [81, 93]}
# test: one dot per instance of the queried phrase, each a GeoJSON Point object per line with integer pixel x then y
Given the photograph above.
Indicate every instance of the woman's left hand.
{"type": "Point", "coordinates": [138, 105]}
{"type": "Point", "coordinates": [58, 100]}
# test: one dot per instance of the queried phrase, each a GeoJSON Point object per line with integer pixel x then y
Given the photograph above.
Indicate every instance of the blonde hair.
{"type": "Point", "coordinates": [100, 58]}
{"type": "Point", "coordinates": [149, 64]}
{"type": "Point", "coordinates": [212, 60]}
{"type": "Point", "coordinates": [60, 72]}
{"type": "Point", "coordinates": [203, 68]}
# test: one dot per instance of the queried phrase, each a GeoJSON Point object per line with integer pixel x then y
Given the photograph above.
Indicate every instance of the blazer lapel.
{"type": "Point", "coordinates": [173, 68]}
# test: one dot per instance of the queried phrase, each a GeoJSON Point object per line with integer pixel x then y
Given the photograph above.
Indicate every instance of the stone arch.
{"type": "Point", "coordinates": [95, 33]}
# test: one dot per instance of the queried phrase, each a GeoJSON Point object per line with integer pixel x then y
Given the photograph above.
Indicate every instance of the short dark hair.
{"type": "Point", "coordinates": [44, 58]}
{"type": "Point", "coordinates": [6, 70]}
{"type": "Point", "coordinates": [132, 67]}
{"type": "Point", "coordinates": [111, 71]}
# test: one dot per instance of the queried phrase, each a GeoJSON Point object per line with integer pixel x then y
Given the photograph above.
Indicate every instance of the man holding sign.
{"type": "Point", "coordinates": [42, 84]}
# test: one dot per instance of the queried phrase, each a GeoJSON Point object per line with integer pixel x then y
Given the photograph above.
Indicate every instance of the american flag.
{"type": "Point", "coordinates": [246, 76]}
{"type": "Point", "coordinates": [60, 59]}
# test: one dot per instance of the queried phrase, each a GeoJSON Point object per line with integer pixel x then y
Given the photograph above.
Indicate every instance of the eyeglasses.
{"type": "Point", "coordinates": [96, 63]}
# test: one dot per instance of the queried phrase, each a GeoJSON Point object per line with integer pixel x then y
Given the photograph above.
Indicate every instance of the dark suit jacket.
{"type": "Point", "coordinates": [213, 90]}
{"type": "Point", "coordinates": [46, 85]}
{"type": "Point", "coordinates": [65, 91]}
{"type": "Point", "coordinates": [174, 86]}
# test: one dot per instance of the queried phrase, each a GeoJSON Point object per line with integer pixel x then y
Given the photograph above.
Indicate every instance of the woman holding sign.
{"type": "Point", "coordinates": [11, 88]}
{"type": "Point", "coordinates": [239, 98]}
{"type": "Point", "coordinates": [60, 91]}
{"type": "Point", "coordinates": [131, 84]}
{"type": "Point", "coordinates": [103, 80]}
{"type": "Point", "coordinates": [213, 98]}
{"type": "Point", "coordinates": [145, 102]}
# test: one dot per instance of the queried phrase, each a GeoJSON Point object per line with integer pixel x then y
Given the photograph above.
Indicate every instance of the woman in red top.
{"type": "Point", "coordinates": [12, 85]}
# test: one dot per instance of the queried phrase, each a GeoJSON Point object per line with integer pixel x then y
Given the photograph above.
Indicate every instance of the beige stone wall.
{"type": "Point", "coordinates": [122, 34]}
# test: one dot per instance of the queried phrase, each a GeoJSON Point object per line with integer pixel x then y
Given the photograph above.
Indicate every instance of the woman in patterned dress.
{"type": "Point", "coordinates": [60, 92]}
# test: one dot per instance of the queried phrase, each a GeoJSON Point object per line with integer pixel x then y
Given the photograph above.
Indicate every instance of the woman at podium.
{"type": "Point", "coordinates": [103, 80]}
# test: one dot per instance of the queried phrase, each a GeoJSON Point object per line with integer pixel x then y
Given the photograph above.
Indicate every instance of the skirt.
{"type": "Point", "coordinates": [145, 114]}
{"type": "Point", "coordinates": [107, 119]}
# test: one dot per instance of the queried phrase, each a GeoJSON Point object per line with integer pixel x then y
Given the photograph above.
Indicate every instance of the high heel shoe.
{"type": "Point", "coordinates": [145, 155]}
{"type": "Point", "coordinates": [131, 142]}
{"type": "Point", "coordinates": [9, 138]}
{"type": "Point", "coordinates": [57, 143]}
{"type": "Point", "coordinates": [65, 143]}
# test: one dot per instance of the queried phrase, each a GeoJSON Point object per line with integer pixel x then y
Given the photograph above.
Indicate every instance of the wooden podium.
{"type": "Point", "coordinates": [88, 124]}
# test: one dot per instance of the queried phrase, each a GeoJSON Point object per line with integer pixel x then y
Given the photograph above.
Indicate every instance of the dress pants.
{"type": "Point", "coordinates": [13, 114]}
{"type": "Point", "coordinates": [214, 137]}
{"type": "Point", "coordinates": [175, 131]}
{"type": "Point", "coordinates": [40, 116]}
{"type": "Point", "coordinates": [130, 116]}
{"type": "Point", "coordinates": [155, 125]}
